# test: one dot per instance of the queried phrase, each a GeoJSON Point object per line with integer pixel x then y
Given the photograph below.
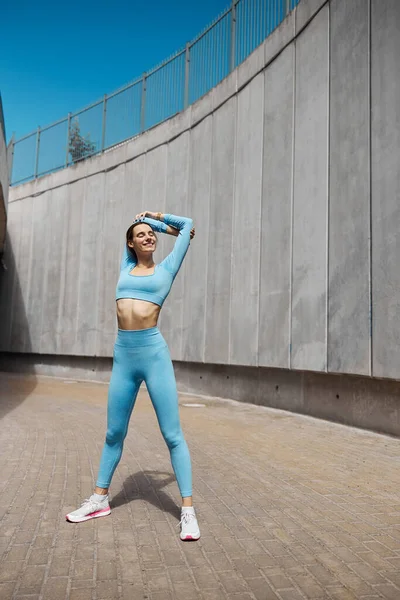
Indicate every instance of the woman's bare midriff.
{"type": "Point", "coordinates": [136, 314]}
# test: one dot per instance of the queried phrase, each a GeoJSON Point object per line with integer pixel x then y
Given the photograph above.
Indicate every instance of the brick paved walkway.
{"type": "Point", "coordinates": [289, 507]}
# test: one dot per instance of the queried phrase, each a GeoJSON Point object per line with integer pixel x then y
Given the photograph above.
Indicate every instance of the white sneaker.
{"type": "Point", "coordinates": [189, 525]}
{"type": "Point", "coordinates": [90, 509]}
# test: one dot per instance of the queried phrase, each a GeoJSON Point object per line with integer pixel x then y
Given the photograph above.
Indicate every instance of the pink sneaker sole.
{"type": "Point", "coordinates": [94, 515]}
{"type": "Point", "coordinates": [190, 538]}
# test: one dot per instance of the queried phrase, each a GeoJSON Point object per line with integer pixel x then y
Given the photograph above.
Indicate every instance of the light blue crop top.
{"type": "Point", "coordinates": [155, 288]}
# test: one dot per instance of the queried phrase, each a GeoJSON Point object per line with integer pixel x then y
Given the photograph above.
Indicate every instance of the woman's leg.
{"type": "Point", "coordinates": [161, 385]}
{"type": "Point", "coordinates": [121, 399]}
{"type": "Point", "coordinates": [122, 395]}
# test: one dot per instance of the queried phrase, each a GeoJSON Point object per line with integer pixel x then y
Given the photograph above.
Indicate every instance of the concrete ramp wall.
{"type": "Point", "coordinates": [289, 169]}
{"type": "Point", "coordinates": [3, 182]}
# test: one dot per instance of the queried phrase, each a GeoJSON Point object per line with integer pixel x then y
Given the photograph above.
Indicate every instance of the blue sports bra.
{"type": "Point", "coordinates": [156, 287]}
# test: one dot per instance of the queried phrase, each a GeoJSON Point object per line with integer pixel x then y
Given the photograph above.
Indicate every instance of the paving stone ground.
{"type": "Point", "coordinates": [289, 507]}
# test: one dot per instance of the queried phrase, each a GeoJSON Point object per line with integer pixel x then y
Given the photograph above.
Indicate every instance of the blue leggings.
{"type": "Point", "coordinates": [143, 355]}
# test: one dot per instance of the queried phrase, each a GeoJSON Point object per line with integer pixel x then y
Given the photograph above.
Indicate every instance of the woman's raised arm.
{"type": "Point", "coordinates": [184, 227]}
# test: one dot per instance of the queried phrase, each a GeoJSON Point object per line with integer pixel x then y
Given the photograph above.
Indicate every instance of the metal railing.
{"type": "Point", "coordinates": [155, 96]}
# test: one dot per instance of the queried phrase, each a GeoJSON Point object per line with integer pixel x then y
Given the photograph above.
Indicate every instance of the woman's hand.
{"type": "Point", "coordinates": [147, 213]}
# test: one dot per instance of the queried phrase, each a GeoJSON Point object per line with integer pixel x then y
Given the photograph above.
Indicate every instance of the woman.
{"type": "Point", "coordinates": [141, 354]}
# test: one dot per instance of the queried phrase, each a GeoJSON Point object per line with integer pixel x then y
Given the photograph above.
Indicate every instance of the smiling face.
{"type": "Point", "coordinates": [142, 240]}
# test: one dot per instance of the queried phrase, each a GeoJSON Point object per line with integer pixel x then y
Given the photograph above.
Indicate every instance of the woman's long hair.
{"type": "Point", "coordinates": [129, 238]}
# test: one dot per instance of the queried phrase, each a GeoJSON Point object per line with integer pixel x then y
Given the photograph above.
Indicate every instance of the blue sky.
{"type": "Point", "coordinates": [56, 58]}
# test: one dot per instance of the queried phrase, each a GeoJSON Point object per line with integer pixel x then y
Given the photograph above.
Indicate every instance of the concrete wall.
{"type": "Point", "coordinates": [3, 182]}
{"type": "Point", "coordinates": [290, 170]}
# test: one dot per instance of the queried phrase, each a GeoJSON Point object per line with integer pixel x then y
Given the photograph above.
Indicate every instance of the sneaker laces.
{"type": "Point", "coordinates": [186, 517]}
{"type": "Point", "coordinates": [90, 502]}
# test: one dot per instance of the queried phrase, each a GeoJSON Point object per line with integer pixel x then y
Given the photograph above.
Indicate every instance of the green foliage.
{"type": "Point", "coordinates": [79, 147]}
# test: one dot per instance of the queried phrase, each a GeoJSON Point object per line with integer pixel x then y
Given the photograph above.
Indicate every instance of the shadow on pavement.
{"type": "Point", "coordinates": [147, 486]}
{"type": "Point", "coordinates": [15, 338]}
{"type": "Point", "coordinates": [14, 389]}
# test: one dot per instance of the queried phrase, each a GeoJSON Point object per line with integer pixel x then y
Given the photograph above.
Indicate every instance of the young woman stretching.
{"type": "Point", "coordinates": [141, 354]}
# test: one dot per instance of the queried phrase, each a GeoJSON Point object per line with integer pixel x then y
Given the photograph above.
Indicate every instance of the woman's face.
{"type": "Point", "coordinates": [144, 239]}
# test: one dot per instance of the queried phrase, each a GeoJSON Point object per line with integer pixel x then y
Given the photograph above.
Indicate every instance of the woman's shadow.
{"type": "Point", "coordinates": [147, 486]}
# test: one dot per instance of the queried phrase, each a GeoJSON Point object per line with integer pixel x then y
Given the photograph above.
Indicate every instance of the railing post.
{"type": "Point", "coordinates": [233, 35]}
{"type": "Point", "coordinates": [68, 140]}
{"type": "Point", "coordinates": [187, 67]}
{"type": "Point", "coordinates": [143, 103]}
{"type": "Point", "coordinates": [287, 7]}
{"type": "Point", "coordinates": [103, 136]}
{"type": "Point", "coordinates": [37, 152]}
